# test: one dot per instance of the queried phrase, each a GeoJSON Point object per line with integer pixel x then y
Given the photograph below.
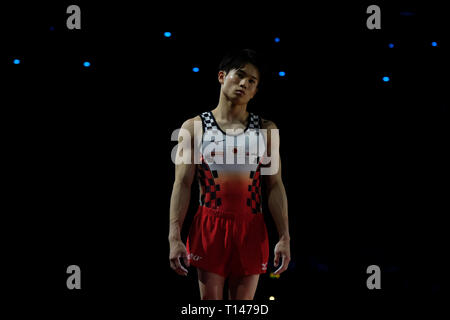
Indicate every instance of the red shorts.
{"type": "Point", "coordinates": [228, 243]}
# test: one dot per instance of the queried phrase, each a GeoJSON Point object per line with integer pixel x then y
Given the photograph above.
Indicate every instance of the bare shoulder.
{"type": "Point", "coordinates": [189, 124]}
{"type": "Point", "coordinates": [268, 124]}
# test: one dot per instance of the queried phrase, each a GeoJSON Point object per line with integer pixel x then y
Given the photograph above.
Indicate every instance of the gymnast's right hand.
{"type": "Point", "coordinates": [177, 252]}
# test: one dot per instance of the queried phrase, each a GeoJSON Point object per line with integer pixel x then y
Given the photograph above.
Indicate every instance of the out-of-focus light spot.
{"type": "Point", "coordinates": [281, 73]}
{"type": "Point", "coordinates": [391, 45]}
{"type": "Point", "coordinates": [407, 13]}
{"type": "Point", "coordinates": [16, 61]}
{"type": "Point", "coordinates": [434, 44]}
{"type": "Point", "coordinates": [271, 298]}
{"type": "Point", "coordinates": [167, 34]}
{"type": "Point", "coordinates": [86, 64]}
{"type": "Point", "coordinates": [52, 28]}
{"type": "Point", "coordinates": [386, 79]}
{"type": "Point", "coordinates": [277, 39]}
{"type": "Point", "coordinates": [195, 69]}
{"type": "Point", "coordinates": [322, 267]}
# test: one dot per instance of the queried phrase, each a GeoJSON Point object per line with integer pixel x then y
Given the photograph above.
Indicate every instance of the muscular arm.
{"type": "Point", "coordinates": [179, 202]}
{"type": "Point", "coordinates": [277, 203]}
{"type": "Point", "coordinates": [181, 191]}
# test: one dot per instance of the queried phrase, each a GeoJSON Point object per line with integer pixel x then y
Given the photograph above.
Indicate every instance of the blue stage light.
{"type": "Point", "coordinates": [16, 61]}
{"type": "Point", "coordinates": [407, 13]}
{"type": "Point", "coordinates": [322, 267]}
{"type": "Point", "coordinates": [87, 64]}
{"type": "Point", "coordinates": [281, 73]}
{"type": "Point", "coordinates": [277, 39]}
{"type": "Point", "coordinates": [195, 69]}
{"type": "Point", "coordinates": [386, 79]}
{"type": "Point", "coordinates": [167, 34]}
{"type": "Point", "coordinates": [391, 45]}
{"type": "Point", "coordinates": [434, 44]}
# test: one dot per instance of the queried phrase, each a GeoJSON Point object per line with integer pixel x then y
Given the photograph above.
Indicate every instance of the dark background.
{"type": "Point", "coordinates": [87, 170]}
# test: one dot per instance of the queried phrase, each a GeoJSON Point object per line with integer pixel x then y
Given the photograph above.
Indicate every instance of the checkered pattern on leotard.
{"type": "Point", "coordinates": [234, 186]}
{"type": "Point", "coordinates": [206, 176]}
{"type": "Point", "coordinates": [209, 123]}
{"type": "Point", "coordinates": [254, 201]}
{"type": "Point", "coordinates": [254, 121]}
{"type": "Point", "coordinates": [208, 197]}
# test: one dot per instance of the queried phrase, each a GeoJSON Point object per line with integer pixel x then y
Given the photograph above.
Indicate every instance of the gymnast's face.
{"type": "Point", "coordinates": [240, 85]}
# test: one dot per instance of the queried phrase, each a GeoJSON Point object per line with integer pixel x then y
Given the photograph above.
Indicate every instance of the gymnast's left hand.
{"type": "Point", "coordinates": [282, 251]}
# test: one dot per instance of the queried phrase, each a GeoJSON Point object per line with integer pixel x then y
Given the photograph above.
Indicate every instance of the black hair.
{"type": "Point", "coordinates": [238, 58]}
